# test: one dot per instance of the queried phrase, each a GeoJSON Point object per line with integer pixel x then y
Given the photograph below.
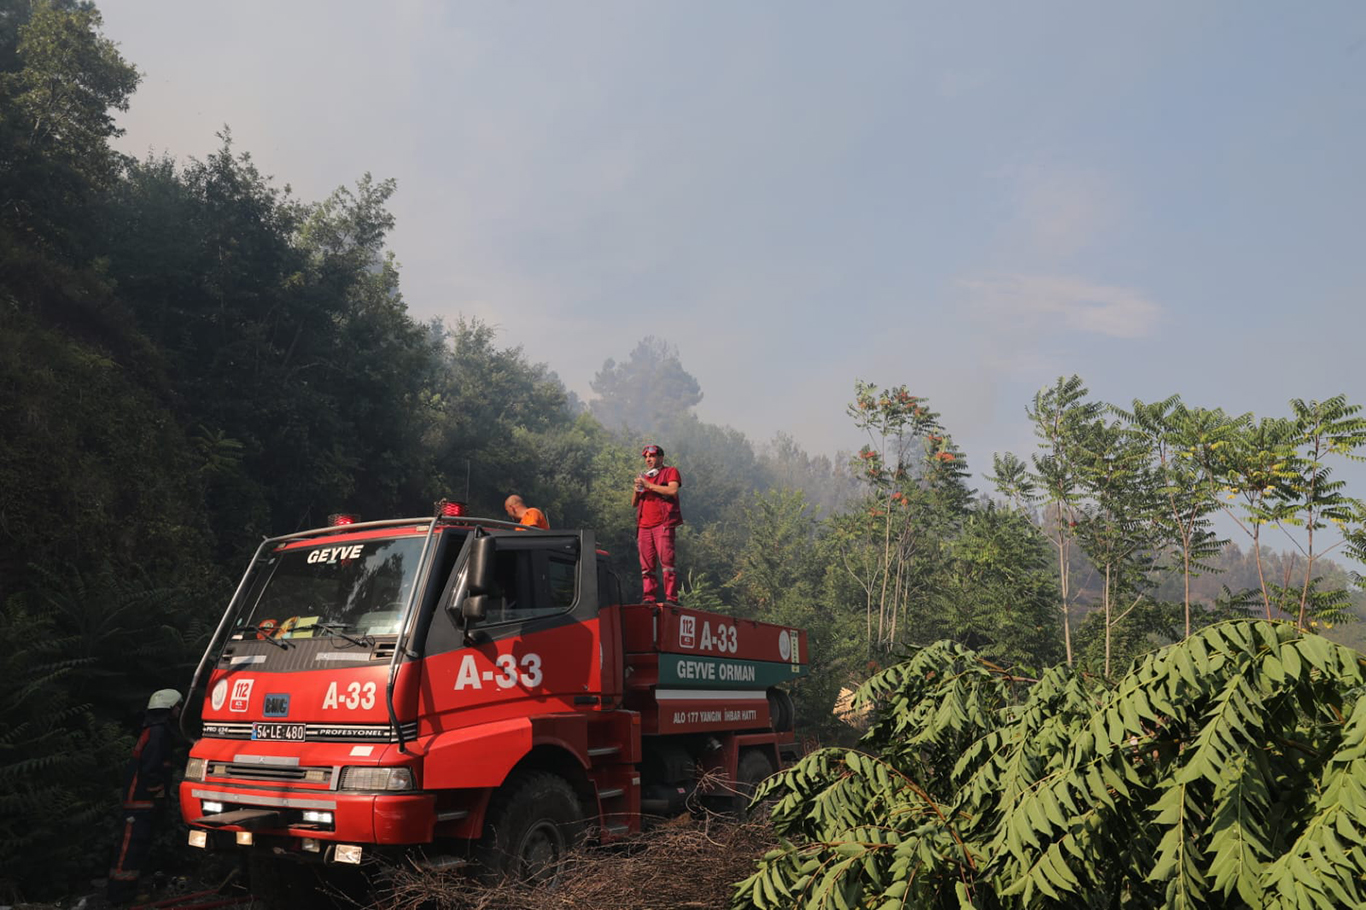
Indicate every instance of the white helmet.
{"type": "Point", "coordinates": [163, 698]}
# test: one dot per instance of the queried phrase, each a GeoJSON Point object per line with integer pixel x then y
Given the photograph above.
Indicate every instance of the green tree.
{"type": "Point", "coordinates": [487, 405]}
{"type": "Point", "coordinates": [1062, 419]}
{"type": "Point", "coordinates": [209, 261]}
{"type": "Point", "coordinates": [1313, 498]}
{"type": "Point", "coordinates": [1179, 440]}
{"type": "Point", "coordinates": [93, 467]}
{"type": "Point", "coordinates": [1223, 770]}
{"type": "Point", "coordinates": [647, 391]}
{"type": "Point", "coordinates": [1116, 527]}
{"type": "Point", "coordinates": [55, 760]}
{"type": "Point", "coordinates": [826, 483]}
{"type": "Point", "coordinates": [371, 359]}
{"type": "Point", "coordinates": [776, 572]}
{"type": "Point", "coordinates": [1252, 469]}
{"type": "Point", "coordinates": [995, 592]}
{"type": "Point", "coordinates": [60, 79]}
{"type": "Point", "coordinates": [779, 576]}
{"type": "Point", "coordinates": [916, 491]}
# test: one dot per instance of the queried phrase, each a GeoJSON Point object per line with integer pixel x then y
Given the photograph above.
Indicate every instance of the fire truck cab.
{"type": "Point", "coordinates": [470, 691]}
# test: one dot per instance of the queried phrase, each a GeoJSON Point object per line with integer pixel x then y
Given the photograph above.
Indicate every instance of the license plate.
{"type": "Point", "coordinates": [288, 732]}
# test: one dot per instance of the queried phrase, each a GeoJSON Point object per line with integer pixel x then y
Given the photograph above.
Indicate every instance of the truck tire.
{"type": "Point", "coordinates": [781, 712]}
{"type": "Point", "coordinates": [754, 768]}
{"type": "Point", "coordinates": [533, 822]}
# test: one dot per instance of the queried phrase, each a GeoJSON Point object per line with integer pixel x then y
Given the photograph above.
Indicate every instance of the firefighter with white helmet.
{"type": "Point", "coordinates": [143, 795]}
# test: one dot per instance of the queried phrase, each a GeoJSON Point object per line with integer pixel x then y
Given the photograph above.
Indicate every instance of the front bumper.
{"type": "Point", "coordinates": [357, 817]}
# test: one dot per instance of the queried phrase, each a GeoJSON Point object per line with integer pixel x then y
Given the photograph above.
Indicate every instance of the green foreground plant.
{"type": "Point", "coordinates": [1228, 770]}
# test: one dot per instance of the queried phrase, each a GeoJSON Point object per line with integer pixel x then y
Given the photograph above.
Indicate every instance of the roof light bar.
{"type": "Point", "coordinates": [337, 519]}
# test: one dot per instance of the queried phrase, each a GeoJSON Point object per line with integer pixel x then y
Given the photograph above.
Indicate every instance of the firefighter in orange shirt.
{"type": "Point", "coordinates": [532, 518]}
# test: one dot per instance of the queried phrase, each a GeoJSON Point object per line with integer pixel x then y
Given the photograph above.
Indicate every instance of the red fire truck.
{"type": "Point", "coordinates": [467, 690]}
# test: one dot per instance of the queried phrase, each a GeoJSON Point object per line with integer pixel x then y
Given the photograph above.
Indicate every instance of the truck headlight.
{"type": "Point", "coordinates": [194, 769]}
{"type": "Point", "coordinates": [353, 778]}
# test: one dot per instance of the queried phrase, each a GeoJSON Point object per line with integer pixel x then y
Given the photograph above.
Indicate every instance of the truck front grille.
{"type": "Point", "coordinates": [270, 773]}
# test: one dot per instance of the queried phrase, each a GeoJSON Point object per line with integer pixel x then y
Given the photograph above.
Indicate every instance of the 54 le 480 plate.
{"type": "Point", "coordinates": [277, 731]}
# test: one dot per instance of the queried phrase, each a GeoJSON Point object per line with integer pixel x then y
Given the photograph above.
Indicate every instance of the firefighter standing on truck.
{"type": "Point", "coordinates": [143, 795]}
{"type": "Point", "coordinates": [658, 514]}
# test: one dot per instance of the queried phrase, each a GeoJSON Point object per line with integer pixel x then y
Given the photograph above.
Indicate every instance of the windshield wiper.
{"type": "Point", "coordinates": [339, 629]}
{"type": "Point", "coordinates": [264, 635]}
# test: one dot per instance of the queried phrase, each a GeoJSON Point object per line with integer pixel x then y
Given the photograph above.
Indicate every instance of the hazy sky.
{"type": "Point", "coordinates": [971, 199]}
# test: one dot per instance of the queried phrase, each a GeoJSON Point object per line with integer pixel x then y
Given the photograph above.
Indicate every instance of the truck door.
{"type": "Point", "coordinates": [537, 641]}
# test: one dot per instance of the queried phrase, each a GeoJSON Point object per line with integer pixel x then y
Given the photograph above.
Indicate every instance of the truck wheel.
{"type": "Point", "coordinates": [533, 822]}
{"type": "Point", "coordinates": [755, 767]}
{"type": "Point", "coordinates": [781, 711]}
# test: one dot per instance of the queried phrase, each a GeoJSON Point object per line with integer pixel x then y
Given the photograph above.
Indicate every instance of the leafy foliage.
{"type": "Point", "coordinates": [1313, 498]}
{"type": "Point", "coordinates": [647, 391]}
{"type": "Point", "coordinates": [1063, 420]}
{"type": "Point", "coordinates": [916, 495]}
{"type": "Point", "coordinates": [55, 779]}
{"type": "Point", "coordinates": [994, 591]}
{"type": "Point", "coordinates": [59, 80]}
{"type": "Point", "coordinates": [1176, 437]}
{"type": "Point", "coordinates": [1222, 771]}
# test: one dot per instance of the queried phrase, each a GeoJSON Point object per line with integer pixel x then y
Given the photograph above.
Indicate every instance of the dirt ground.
{"type": "Point", "coordinates": [687, 863]}
{"type": "Point", "coordinates": [690, 863]}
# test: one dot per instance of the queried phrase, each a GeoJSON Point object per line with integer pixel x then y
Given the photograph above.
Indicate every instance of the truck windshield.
{"type": "Point", "coordinates": [360, 587]}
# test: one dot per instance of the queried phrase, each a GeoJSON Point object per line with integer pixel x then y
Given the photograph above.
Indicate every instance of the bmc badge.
{"type": "Point", "coordinates": [687, 631]}
{"type": "Point", "coordinates": [276, 704]}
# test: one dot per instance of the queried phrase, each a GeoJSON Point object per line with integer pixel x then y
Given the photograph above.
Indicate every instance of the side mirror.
{"type": "Point", "coordinates": [479, 584]}
{"type": "Point", "coordinates": [480, 577]}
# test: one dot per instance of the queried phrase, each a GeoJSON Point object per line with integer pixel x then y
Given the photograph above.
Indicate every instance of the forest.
{"type": "Point", "coordinates": [191, 359]}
